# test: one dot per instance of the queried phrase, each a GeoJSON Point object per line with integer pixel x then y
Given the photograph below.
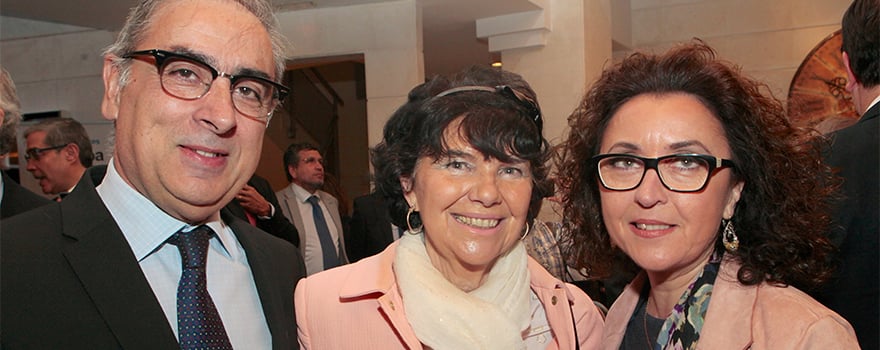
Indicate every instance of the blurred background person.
{"type": "Point", "coordinates": [58, 152]}
{"type": "Point", "coordinates": [371, 230]}
{"type": "Point", "coordinates": [14, 198]}
{"type": "Point", "coordinates": [854, 290]}
{"type": "Point", "coordinates": [315, 213]}
{"type": "Point", "coordinates": [462, 166]}
{"type": "Point", "coordinates": [685, 166]}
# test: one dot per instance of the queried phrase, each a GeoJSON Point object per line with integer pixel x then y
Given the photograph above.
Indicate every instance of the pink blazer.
{"type": "Point", "coordinates": [358, 306]}
{"type": "Point", "coordinates": [748, 317]}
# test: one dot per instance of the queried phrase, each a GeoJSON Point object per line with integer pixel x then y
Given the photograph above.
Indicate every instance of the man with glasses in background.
{"type": "Point", "coordinates": [58, 153]}
{"type": "Point", "coordinates": [139, 255]}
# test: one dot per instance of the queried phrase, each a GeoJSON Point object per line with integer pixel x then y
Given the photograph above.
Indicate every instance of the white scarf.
{"type": "Point", "coordinates": [493, 316]}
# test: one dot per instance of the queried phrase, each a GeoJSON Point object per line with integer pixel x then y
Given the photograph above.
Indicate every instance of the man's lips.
{"type": "Point", "coordinates": [206, 152]}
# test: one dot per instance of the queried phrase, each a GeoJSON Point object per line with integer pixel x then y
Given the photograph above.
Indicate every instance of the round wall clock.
{"type": "Point", "coordinates": [817, 96]}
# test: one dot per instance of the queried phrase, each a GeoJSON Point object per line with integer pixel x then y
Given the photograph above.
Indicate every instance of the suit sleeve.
{"type": "Point", "coordinates": [277, 225]}
{"type": "Point", "coordinates": [355, 239]}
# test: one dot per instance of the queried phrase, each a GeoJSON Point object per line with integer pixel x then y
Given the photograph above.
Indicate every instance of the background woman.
{"type": "Point", "coordinates": [462, 166]}
{"type": "Point", "coordinates": [682, 164]}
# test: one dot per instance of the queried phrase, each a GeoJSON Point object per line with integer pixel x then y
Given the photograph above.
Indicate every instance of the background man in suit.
{"type": "Point", "coordinates": [14, 199]}
{"type": "Point", "coordinates": [257, 204]}
{"type": "Point", "coordinates": [371, 230]}
{"type": "Point", "coordinates": [58, 153]}
{"type": "Point", "coordinates": [321, 248]}
{"type": "Point", "coordinates": [854, 290]}
{"type": "Point", "coordinates": [122, 265]}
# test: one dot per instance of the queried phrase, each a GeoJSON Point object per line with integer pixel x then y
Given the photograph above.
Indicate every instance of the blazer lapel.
{"type": "Point", "coordinates": [103, 261]}
{"type": "Point", "coordinates": [291, 207]}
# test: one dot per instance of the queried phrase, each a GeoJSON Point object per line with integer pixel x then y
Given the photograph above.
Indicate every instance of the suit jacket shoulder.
{"type": "Point", "coordinates": [17, 199]}
{"type": "Point", "coordinates": [68, 267]}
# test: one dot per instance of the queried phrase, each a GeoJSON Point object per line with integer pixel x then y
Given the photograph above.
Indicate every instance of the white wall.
{"type": "Point", "coordinates": [389, 36]}
{"type": "Point", "coordinates": [769, 39]}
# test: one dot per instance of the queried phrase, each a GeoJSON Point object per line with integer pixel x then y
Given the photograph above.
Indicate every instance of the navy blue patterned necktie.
{"type": "Point", "coordinates": [198, 322]}
{"type": "Point", "coordinates": [328, 248]}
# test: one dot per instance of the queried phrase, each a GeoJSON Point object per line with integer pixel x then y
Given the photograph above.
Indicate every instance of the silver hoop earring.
{"type": "Point", "coordinates": [526, 233]}
{"type": "Point", "coordinates": [729, 238]}
{"type": "Point", "coordinates": [409, 224]}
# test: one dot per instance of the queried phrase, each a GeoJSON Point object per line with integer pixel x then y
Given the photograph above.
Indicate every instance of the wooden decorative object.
{"type": "Point", "coordinates": [817, 96]}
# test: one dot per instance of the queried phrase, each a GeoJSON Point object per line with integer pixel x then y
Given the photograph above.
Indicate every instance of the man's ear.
{"type": "Point", "coordinates": [71, 153]}
{"type": "Point", "coordinates": [851, 80]}
{"type": "Point", "coordinates": [291, 170]}
{"type": "Point", "coordinates": [110, 102]}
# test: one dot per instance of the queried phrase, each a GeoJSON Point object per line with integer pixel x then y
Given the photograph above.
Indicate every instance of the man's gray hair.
{"type": "Point", "coordinates": [141, 17]}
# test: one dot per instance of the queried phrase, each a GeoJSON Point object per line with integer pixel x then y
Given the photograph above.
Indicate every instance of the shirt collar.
{"type": "Point", "coordinates": [301, 194]}
{"type": "Point", "coordinates": [145, 226]}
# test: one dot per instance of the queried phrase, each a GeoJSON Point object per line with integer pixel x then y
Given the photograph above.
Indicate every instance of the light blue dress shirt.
{"type": "Point", "coordinates": [230, 281]}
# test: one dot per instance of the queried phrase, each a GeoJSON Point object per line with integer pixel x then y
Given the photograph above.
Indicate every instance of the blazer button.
{"type": "Point", "coordinates": [391, 304]}
{"type": "Point", "coordinates": [553, 300]}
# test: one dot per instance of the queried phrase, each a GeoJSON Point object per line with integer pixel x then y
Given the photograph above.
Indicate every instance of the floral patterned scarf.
{"type": "Point", "coordinates": [681, 331]}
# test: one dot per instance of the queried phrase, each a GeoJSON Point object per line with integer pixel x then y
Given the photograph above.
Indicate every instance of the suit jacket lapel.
{"type": "Point", "coordinates": [107, 268]}
{"type": "Point", "coordinates": [291, 205]}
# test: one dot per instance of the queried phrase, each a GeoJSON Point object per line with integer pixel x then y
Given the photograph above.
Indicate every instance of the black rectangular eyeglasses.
{"type": "Point", "coordinates": [677, 172]}
{"type": "Point", "coordinates": [190, 78]}
{"type": "Point", "coordinates": [35, 153]}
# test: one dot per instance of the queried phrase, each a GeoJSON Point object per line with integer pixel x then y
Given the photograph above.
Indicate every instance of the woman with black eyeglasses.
{"type": "Point", "coordinates": [462, 169]}
{"type": "Point", "coordinates": [681, 165]}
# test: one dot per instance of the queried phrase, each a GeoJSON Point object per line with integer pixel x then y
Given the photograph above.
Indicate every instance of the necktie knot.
{"type": "Point", "coordinates": [193, 246]}
{"type": "Point", "coordinates": [313, 200]}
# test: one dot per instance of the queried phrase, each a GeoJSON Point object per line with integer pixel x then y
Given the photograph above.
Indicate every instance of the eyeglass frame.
{"type": "Point", "coordinates": [35, 153]}
{"type": "Point", "coordinates": [530, 106]}
{"type": "Point", "coordinates": [160, 56]}
{"type": "Point", "coordinates": [713, 162]}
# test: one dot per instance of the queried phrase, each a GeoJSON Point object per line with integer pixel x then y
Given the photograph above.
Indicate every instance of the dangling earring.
{"type": "Point", "coordinates": [526, 233]}
{"type": "Point", "coordinates": [729, 238]}
{"type": "Point", "coordinates": [418, 220]}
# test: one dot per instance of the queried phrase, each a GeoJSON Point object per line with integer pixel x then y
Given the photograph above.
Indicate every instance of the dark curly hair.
{"type": "Point", "coordinates": [783, 210]}
{"type": "Point", "coordinates": [500, 124]}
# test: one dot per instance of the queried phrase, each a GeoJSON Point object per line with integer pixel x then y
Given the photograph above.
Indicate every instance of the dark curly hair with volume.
{"type": "Point", "coordinates": [782, 214]}
{"type": "Point", "coordinates": [499, 125]}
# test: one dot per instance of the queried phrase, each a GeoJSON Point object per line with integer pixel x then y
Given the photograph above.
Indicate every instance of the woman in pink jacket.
{"type": "Point", "coordinates": [462, 167]}
{"type": "Point", "coordinates": [684, 166]}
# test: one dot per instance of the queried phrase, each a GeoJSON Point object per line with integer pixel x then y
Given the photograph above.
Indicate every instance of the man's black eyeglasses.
{"type": "Point", "coordinates": [190, 78]}
{"type": "Point", "coordinates": [36, 153]}
{"type": "Point", "coordinates": [530, 106]}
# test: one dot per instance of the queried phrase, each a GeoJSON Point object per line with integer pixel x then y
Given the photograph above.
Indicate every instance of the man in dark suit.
{"type": "Point", "coordinates": [14, 199]}
{"type": "Point", "coordinates": [855, 288]}
{"type": "Point", "coordinates": [371, 230]}
{"type": "Point", "coordinates": [140, 257]}
{"type": "Point", "coordinates": [256, 203]}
